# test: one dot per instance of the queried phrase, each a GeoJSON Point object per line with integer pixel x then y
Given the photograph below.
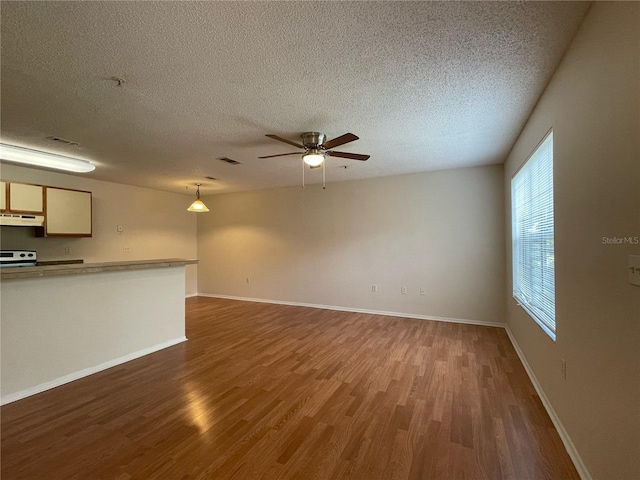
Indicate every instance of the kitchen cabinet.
{"type": "Point", "coordinates": [25, 198]}
{"type": "Point", "coordinates": [3, 196]}
{"type": "Point", "coordinates": [68, 212]}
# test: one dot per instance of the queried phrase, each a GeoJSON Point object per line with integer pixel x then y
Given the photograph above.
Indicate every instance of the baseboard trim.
{"type": "Point", "coordinates": [191, 295]}
{"type": "Point", "coordinates": [12, 397]}
{"type": "Point", "coordinates": [357, 310]}
{"type": "Point", "coordinates": [564, 436]}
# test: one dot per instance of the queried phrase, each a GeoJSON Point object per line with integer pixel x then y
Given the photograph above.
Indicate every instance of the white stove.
{"type": "Point", "coordinates": [18, 258]}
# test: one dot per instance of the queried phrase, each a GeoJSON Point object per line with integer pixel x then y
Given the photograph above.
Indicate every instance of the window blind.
{"type": "Point", "coordinates": [532, 236]}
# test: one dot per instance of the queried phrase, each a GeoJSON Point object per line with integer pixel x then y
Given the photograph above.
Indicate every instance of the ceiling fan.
{"type": "Point", "coordinates": [316, 148]}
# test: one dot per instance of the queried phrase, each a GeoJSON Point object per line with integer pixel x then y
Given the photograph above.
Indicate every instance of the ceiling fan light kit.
{"type": "Point", "coordinates": [314, 157]}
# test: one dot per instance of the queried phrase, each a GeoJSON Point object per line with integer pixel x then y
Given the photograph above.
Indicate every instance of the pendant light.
{"type": "Point", "coordinates": [198, 206]}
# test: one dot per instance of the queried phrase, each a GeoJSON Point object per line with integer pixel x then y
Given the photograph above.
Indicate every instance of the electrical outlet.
{"type": "Point", "coordinates": [374, 288]}
{"type": "Point", "coordinates": [563, 368]}
{"type": "Point", "coordinates": [403, 290]}
{"type": "Point", "coordinates": [67, 250]}
{"type": "Point", "coordinates": [423, 291]}
{"type": "Point", "coordinates": [126, 249]}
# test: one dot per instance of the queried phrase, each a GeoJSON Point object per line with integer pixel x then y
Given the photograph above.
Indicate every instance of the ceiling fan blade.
{"type": "Point", "coordinates": [280, 139]}
{"type": "Point", "coordinates": [282, 155]}
{"type": "Point", "coordinates": [352, 156]}
{"type": "Point", "coordinates": [341, 140]}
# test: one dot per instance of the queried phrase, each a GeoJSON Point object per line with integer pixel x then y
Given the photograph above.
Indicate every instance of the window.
{"type": "Point", "coordinates": [532, 236]}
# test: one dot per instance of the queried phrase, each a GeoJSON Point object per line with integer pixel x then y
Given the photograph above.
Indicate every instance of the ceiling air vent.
{"type": "Point", "coordinates": [65, 141]}
{"type": "Point", "coordinates": [230, 160]}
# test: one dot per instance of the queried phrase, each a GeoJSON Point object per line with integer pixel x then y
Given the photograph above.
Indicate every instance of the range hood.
{"type": "Point", "coordinates": [21, 220]}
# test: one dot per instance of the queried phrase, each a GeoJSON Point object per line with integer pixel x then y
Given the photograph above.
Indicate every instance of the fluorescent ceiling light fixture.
{"type": "Point", "coordinates": [313, 158]}
{"type": "Point", "coordinates": [198, 206]}
{"type": "Point", "coordinates": [35, 158]}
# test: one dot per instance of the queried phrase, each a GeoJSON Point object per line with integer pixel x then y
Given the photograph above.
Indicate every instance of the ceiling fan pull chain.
{"type": "Point", "coordinates": [324, 187]}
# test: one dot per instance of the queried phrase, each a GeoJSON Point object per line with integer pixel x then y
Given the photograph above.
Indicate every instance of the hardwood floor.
{"type": "Point", "coordinates": [266, 391]}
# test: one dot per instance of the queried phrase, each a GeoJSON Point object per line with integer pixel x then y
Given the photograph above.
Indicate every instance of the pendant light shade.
{"type": "Point", "coordinates": [198, 206]}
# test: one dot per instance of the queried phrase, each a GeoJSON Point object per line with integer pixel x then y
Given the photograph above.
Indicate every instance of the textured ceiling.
{"type": "Point", "coordinates": [425, 85]}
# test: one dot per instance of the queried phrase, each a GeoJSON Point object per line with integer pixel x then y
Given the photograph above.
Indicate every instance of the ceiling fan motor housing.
{"type": "Point", "coordinates": [312, 139]}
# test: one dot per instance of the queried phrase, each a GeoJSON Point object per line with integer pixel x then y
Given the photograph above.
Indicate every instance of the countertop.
{"type": "Point", "coordinates": [84, 268]}
{"type": "Point", "coordinates": [42, 263]}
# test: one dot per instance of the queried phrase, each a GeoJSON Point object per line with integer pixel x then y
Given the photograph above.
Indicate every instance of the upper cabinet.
{"type": "Point", "coordinates": [24, 198]}
{"type": "Point", "coordinates": [68, 212]}
{"type": "Point", "coordinates": [3, 196]}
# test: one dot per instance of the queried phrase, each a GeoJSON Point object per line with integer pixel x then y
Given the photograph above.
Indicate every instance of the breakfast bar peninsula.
{"type": "Point", "coordinates": [63, 322]}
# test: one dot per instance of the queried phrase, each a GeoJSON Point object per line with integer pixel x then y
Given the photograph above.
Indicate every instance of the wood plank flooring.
{"type": "Point", "coordinates": [277, 392]}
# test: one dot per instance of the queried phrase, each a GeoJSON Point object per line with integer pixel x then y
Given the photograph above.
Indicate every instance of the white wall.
{"type": "Point", "coordinates": [156, 224]}
{"type": "Point", "coordinates": [593, 105]}
{"type": "Point", "coordinates": [442, 231]}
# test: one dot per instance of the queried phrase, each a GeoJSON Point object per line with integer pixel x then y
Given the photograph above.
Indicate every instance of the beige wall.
{"type": "Point", "coordinates": [593, 105]}
{"type": "Point", "coordinates": [156, 224]}
{"type": "Point", "coordinates": [442, 231]}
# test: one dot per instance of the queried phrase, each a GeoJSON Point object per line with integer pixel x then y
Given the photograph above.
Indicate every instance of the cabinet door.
{"type": "Point", "coordinates": [68, 212]}
{"type": "Point", "coordinates": [3, 196]}
{"type": "Point", "coordinates": [25, 198]}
